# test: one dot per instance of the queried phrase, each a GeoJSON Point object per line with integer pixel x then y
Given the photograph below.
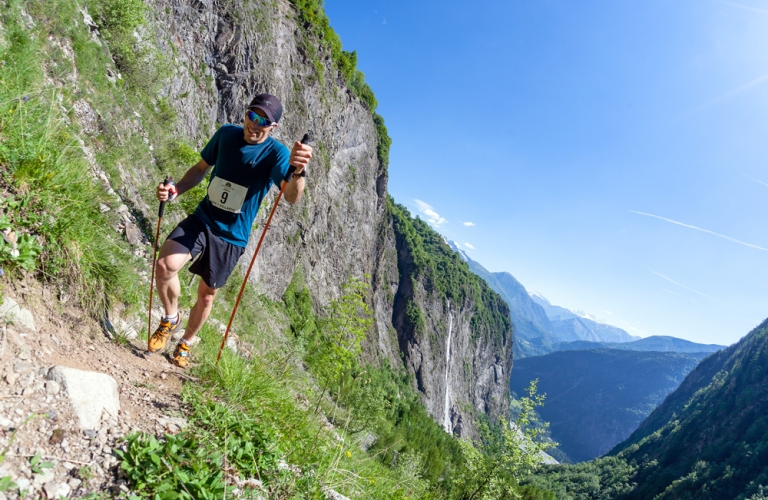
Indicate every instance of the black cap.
{"type": "Point", "coordinates": [270, 105]}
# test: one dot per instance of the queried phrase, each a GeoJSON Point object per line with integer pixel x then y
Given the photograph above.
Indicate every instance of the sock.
{"type": "Point", "coordinates": [174, 318]}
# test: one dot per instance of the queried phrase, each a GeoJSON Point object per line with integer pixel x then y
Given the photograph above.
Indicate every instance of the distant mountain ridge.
{"type": "Point", "coordinates": [539, 325]}
{"type": "Point", "coordinates": [569, 325]}
{"type": "Point", "coordinates": [660, 343]}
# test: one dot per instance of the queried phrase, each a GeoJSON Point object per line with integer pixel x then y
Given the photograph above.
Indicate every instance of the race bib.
{"type": "Point", "coordinates": [226, 195]}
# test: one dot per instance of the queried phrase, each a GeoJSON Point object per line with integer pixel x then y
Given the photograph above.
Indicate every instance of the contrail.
{"type": "Point", "coordinates": [702, 230]}
{"type": "Point", "coordinates": [754, 82]}
{"type": "Point", "coordinates": [744, 7]}
{"type": "Point", "coordinates": [683, 286]}
{"type": "Point", "coordinates": [756, 180]}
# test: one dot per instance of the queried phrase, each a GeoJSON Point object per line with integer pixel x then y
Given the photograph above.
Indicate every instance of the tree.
{"type": "Point", "coordinates": [336, 344]}
{"type": "Point", "coordinates": [507, 453]}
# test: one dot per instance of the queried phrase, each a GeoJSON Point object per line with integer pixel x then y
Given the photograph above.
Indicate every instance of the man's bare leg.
{"type": "Point", "coordinates": [173, 256]}
{"type": "Point", "coordinates": [200, 311]}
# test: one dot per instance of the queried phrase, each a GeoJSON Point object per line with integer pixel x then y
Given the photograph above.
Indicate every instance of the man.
{"type": "Point", "coordinates": [246, 161]}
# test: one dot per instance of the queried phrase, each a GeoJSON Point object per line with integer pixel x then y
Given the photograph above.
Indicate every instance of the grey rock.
{"type": "Point", "coordinates": [11, 311]}
{"type": "Point", "coordinates": [90, 433]}
{"type": "Point", "coordinates": [91, 393]}
{"type": "Point", "coordinates": [86, 116]}
{"type": "Point", "coordinates": [126, 329]}
{"type": "Point", "coordinates": [333, 495]}
{"type": "Point", "coordinates": [44, 477]}
{"type": "Point", "coordinates": [57, 490]}
{"type": "Point", "coordinates": [52, 387]}
{"type": "Point", "coordinates": [23, 367]}
{"type": "Point", "coordinates": [132, 233]}
{"type": "Point", "coordinates": [23, 483]}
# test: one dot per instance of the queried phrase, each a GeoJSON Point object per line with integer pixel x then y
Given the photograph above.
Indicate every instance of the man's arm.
{"type": "Point", "coordinates": [300, 156]}
{"type": "Point", "coordinates": [191, 178]}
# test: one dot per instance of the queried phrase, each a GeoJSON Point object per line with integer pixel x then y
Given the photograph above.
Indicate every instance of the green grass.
{"type": "Point", "coordinates": [42, 163]}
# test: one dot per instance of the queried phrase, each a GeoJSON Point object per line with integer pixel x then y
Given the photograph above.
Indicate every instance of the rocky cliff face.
{"type": "Point", "coordinates": [222, 53]}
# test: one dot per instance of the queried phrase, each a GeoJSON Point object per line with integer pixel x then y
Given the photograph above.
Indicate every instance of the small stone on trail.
{"type": "Point", "coordinates": [57, 437]}
{"type": "Point", "coordinates": [23, 367]}
{"type": "Point", "coordinates": [52, 387]}
{"type": "Point", "coordinates": [56, 490]}
{"type": "Point", "coordinates": [11, 310]}
{"type": "Point", "coordinates": [90, 433]}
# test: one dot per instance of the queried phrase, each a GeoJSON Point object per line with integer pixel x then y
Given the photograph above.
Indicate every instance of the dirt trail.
{"type": "Point", "coordinates": [39, 418]}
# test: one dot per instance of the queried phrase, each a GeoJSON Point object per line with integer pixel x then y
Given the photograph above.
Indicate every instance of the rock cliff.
{"type": "Point", "coordinates": [223, 52]}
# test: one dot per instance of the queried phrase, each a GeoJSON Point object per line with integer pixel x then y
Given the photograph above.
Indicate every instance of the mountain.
{"type": "Point", "coordinates": [596, 398]}
{"type": "Point", "coordinates": [570, 326]}
{"type": "Point", "coordinates": [709, 439]}
{"type": "Point", "coordinates": [659, 343]}
{"type": "Point", "coordinates": [539, 325]}
{"type": "Point", "coordinates": [532, 327]}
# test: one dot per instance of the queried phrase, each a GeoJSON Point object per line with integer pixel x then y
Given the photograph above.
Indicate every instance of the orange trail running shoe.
{"type": "Point", "coordinates": [181, 355]}
{"type": "Point", "coordinates": [160, 338]}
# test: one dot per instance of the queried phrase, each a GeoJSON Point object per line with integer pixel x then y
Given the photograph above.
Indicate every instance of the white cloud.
{"type": "Point", "coordinates": [468, 245]}
{"type": "Point", "coordinates": [469, 224]}
{"type": "Point", "coordinates": [432, 216]}
{"type": "Point", "coordinates": [702, 230]}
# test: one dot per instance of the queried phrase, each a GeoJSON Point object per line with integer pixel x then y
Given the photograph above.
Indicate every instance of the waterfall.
{"type": "Point", "coordinates": [446, 406]}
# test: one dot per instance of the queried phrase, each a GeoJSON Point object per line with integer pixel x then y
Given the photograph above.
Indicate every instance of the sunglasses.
{"type": "Point", "coordinates": [258, 120]}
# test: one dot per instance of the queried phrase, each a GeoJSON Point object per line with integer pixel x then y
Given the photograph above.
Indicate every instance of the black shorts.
{"type": "Point", "coordinates": [217, 258]}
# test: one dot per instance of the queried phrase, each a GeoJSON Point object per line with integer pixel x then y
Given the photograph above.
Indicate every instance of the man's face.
{"type": "Point", "coordinates": [252, 133]}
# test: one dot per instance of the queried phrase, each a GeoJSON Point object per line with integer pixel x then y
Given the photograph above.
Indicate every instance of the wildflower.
{"type": "Point", "coordinates": [25, 98]}
{"type": "Point", "coordinates": [349, 455]}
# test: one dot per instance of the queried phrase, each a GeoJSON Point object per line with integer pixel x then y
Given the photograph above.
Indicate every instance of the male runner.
{"type": "Point", "coordinates": [246, 162]}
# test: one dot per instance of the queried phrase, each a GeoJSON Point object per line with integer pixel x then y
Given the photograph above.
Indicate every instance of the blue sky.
{"type": "Point", "coordinates": [612, 156]}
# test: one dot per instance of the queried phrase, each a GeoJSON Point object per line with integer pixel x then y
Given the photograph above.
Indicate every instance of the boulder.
{"type": "Point", "coordinates": [11, 311]}
{"type": "Point", "coordinates": [90, 393]}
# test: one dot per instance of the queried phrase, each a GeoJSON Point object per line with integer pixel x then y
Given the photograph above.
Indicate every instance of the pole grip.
{"type": "Point", "coordinates": [162, 203]}
{"type": "Point", "coordinates": [292, 169]}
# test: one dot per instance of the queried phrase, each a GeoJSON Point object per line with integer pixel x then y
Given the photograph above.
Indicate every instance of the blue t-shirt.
{"type": "Point", "coordinates": [242, 175]}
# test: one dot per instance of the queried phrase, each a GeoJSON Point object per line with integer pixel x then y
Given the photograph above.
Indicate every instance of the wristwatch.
{"type": "Point", "coordinates": [303, 173]}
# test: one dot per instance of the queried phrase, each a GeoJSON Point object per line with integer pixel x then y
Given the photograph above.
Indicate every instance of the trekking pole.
{"type": "Point", "coordinates": [288, 178]}
{"type": "Point", "coordinates": [168, 180]}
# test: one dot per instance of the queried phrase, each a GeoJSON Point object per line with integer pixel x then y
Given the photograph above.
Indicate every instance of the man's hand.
{"type": "Point", "coordinates": [300, 156]}
{"type": "Point", "coordinates": [166, 192]}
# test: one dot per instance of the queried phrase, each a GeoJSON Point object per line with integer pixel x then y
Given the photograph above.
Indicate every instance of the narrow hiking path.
{"type": "Point", "coordinates": [38, 415]}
